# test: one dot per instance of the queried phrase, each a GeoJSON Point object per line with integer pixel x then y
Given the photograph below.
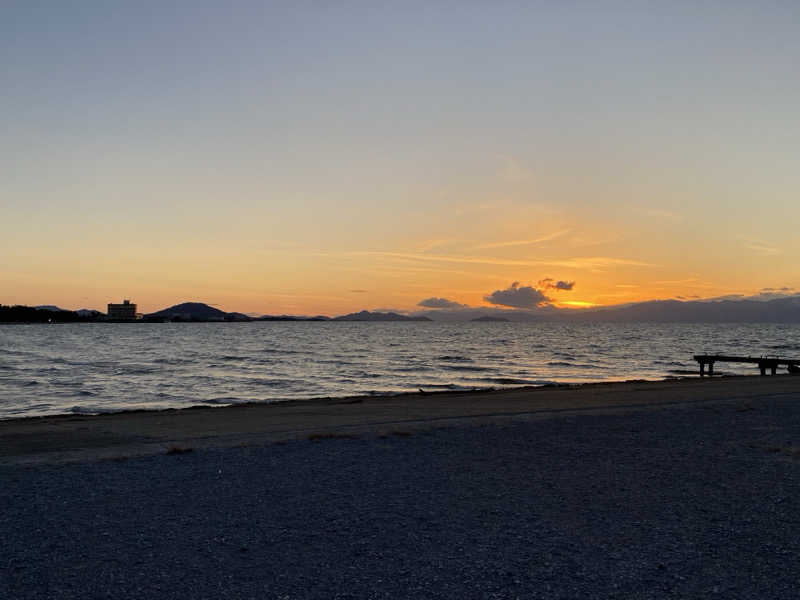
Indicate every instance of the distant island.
{"type": "Point", "coordinates": [365, 315]}
{"type": "Point", "coordinates": [488, 319]}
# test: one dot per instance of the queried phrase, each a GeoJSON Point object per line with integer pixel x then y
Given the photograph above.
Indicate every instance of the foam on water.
{"type": "Point", "coordinates": [94, 367]}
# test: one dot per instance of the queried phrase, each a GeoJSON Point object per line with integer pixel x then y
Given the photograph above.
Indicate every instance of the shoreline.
{"type": "Point", "coordinates": [358, 397]}
{"type": "Point", "coordinates": [79, 437]}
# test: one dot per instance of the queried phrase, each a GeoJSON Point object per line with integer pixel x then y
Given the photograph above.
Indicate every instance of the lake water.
{"type": "Point", "coordinates": [104, 367]}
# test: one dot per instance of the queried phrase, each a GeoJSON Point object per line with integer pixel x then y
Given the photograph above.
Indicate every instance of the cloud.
{"type": "Point", "coordinates": [358, 291]}
{"type": "Point", "coordinates": [428, 245]}
{"type": "Point", "coordinates": [440, 303]}
{"type": "Point", "coordinates": [513, 170]}
{"type": "Point", "coordinates": [774, 293]}
{"type": "Point", "coordinates": [399, 311]}
{"type": "Point", "coordinates": [517, 296]}
{"type": "Point", "coordinates": [725, 297]}
{"type": "Point", "coordinates": [539, 240]}
{"type": "Point", "coordinates": [551, 284]}
{"type": "Point", "coordinates": [664, 215]}
{"type": "Point", "coordinates": [591, 263]}
{"type": "Point", "coordinates": [762, 248]}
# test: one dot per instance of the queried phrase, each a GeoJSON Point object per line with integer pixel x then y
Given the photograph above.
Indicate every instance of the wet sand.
{"type": "Point", "coordinates": [70, 438]}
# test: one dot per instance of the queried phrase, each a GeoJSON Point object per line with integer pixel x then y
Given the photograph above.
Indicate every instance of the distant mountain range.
{"type": "Point", "coordinates": [197, 311]}
{"type": "Point", "coordinates": [779, 310]}
{"type": "Point", "coordinates": [365, 315]}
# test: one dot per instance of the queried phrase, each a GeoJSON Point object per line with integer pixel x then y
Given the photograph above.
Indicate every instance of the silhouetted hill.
{"type": "Point", "coordinates": [779, 310]}
{"type": "Point", "coordinates": [291, 318]}
{"type": "Point", "coordinates": [51, 308]}
{"type": "Point", "coordinates": [365, 315]}
{"type": "Point", "coordinates": [488, 319]}
{"type": "Point", "coordinates": [191, 311]}
{"type": "Point", "coordinates": [237, 316]}
{"type": "Point", "coordinates": [782, 310]}
{"type": "Point", "coordinates": [31, 314]}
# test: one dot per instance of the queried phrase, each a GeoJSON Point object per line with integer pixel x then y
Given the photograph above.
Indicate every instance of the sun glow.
{"type": "Point", "coordinates": [576, 304]}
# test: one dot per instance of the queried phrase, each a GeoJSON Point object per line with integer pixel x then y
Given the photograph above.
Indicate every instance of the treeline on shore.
{"type": "Point", "coordinates": [29, 314]}
{"type": "Point", "coordinates": [32, 314]}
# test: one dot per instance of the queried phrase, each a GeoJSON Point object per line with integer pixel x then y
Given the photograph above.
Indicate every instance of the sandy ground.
{"type": "Point", "coordinates": [72, 438]}
{"type": "Point", "coordinates": [645, 491]}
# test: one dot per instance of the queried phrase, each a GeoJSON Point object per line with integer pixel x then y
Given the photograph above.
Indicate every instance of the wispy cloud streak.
{"type": "Point", "coordinates": [539, 240]}
{"type": "Point", "coordinates": [762, 248]}
{"type": "Point", "coordinates": [590, 262]}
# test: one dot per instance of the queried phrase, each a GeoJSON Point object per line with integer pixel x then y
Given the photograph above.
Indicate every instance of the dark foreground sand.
{"type": "Point", "coordinates": [683, 489]}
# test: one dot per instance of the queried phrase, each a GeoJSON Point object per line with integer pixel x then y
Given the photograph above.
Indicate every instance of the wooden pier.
{"type": "Point", "coordinates": [764, 362]}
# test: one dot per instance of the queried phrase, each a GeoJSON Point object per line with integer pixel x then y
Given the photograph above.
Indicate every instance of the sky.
{"type": "Point", "coordinates": [321, 158]}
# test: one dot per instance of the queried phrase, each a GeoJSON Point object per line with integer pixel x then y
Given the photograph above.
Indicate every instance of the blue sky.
{"type": "Point", "coordinates": [149, 146]}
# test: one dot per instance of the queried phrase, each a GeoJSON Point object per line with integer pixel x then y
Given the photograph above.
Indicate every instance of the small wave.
{"type": "Point", "coordinates": [574, 365]}
{"type": "Point", "coordinates": [269, 382]}
{"type": "Point", "coordinates": [163, 395]}
{"type": "Point", "coordinates": [86, 410]}
{"type": "Point", "coordinates": [465, 368]}
{"type": "Point", "coordinates": [454, 358]}
{"type": "Point", "coordinates": [445, 386]}
{"type": "Point", "coordinates": [514, 381]}
{"type": "Point", "coordinates": [225, 400]}
{"type": "Point", "coordinates": [135, 371]}
{"type": "Point", "coordinates": [31, 383]}
{"type": "Point", "coordinates": [85, 393]}
{"type": "Point", "coordinates": [16, 352]}
{"type": "Point", "coordinates": [411, 369]}
{"type": "Point", "coordinates": [172, 361]}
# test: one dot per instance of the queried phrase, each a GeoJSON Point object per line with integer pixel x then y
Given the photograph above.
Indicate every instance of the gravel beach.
{"type": "Point", "coordinates": [686, 500]}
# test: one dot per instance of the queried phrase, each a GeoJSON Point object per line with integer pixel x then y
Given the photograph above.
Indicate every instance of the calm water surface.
{"type": "Point", "coordinates": [103, 367]}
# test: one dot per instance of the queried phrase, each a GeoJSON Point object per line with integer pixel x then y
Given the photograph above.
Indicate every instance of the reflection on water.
{"type": "Point", "coordinates": [98, 367]}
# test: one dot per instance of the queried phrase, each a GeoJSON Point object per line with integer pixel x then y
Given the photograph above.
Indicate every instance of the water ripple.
{"type": "Point", "coordinates": [87, 368]}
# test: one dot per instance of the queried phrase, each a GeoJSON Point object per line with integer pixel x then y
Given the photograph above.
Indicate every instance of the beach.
{"type": "Point", "coordinates": [67, 438]}
{"type": "Point", "coordinates": [680, 488]}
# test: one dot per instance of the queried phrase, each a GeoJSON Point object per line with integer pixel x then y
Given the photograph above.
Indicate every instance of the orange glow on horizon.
{"type": "Point", "coordinates": [576, 304]}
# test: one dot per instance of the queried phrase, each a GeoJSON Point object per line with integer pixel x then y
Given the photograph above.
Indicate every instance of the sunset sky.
{"type": "Point", "coordinates": [321, 158]}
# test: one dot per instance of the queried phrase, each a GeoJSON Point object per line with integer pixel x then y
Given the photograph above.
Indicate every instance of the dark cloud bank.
{"type": "Point", "coordinates": [551, 284]}
{"type": "Point", "coordinates": [440, 303]}
{"type": "Point", "coordinates": [518, 296]}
